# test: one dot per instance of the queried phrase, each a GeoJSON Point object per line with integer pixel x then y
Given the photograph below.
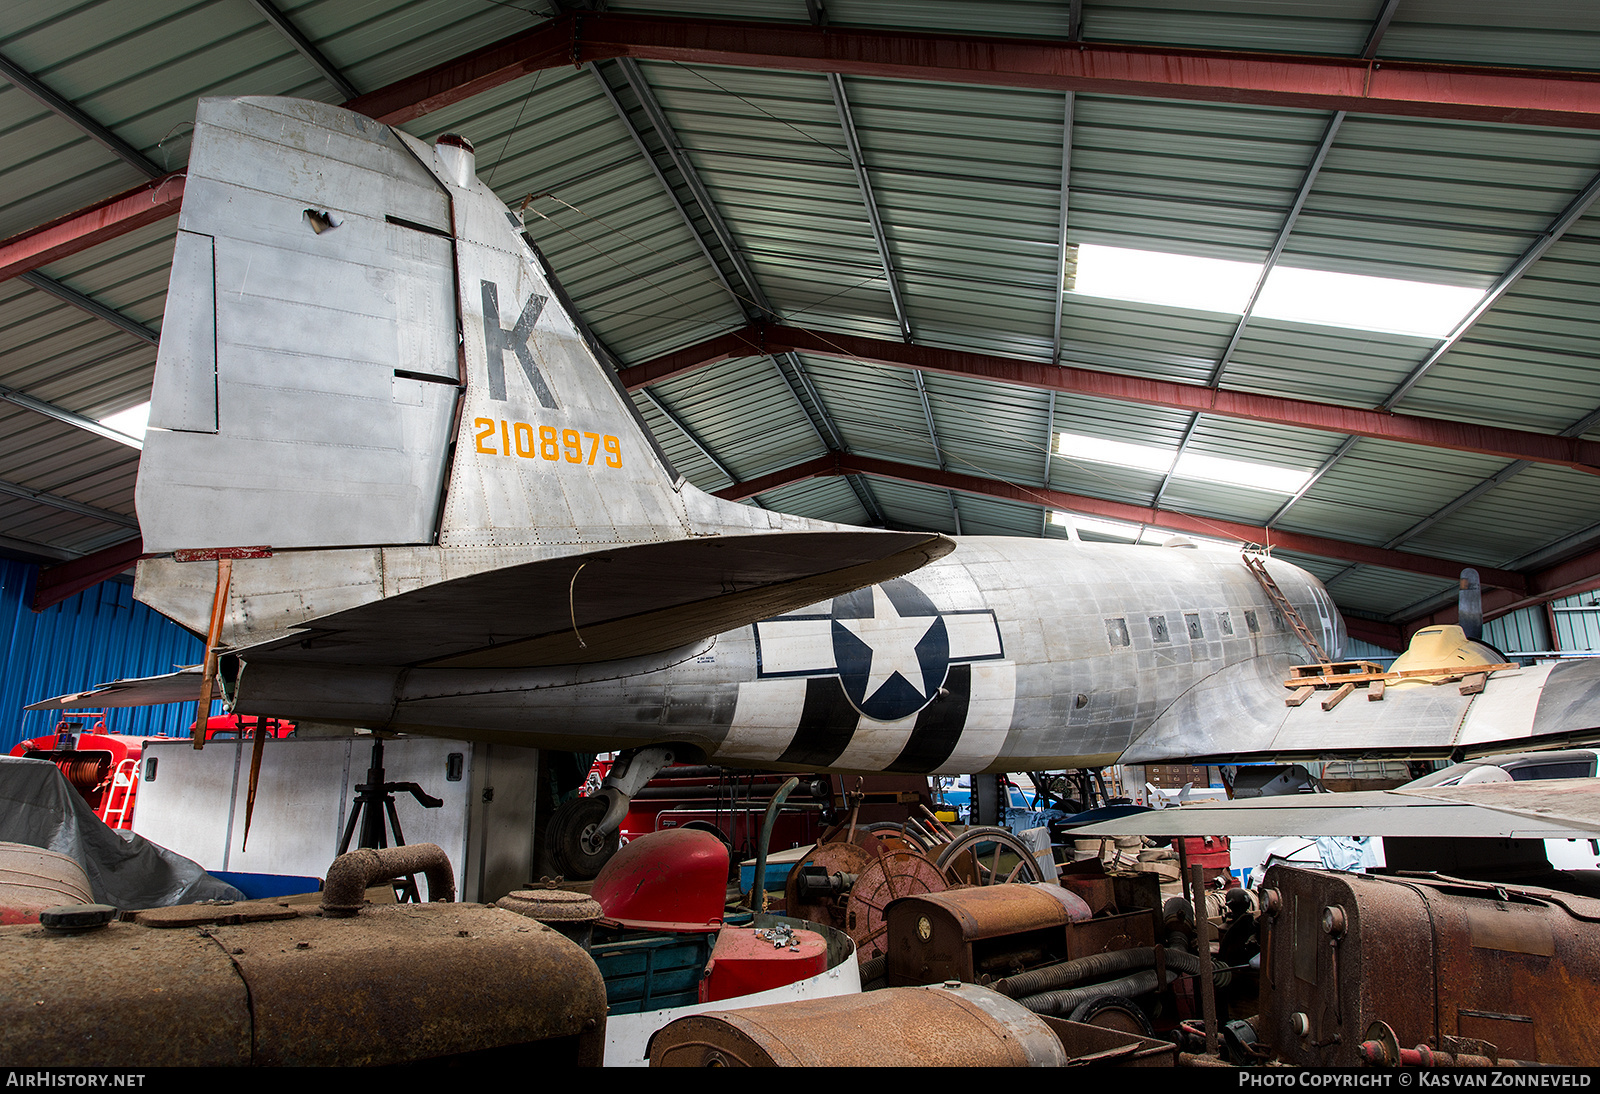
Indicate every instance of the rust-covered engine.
{"type": "Point", "coordinates": [1502, 972]}
{"type": "Point", "coordinates": [268, 983]}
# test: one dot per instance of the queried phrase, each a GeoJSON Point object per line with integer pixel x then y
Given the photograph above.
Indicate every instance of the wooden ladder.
{"type": "Point", "coordinates": [1258, 566]}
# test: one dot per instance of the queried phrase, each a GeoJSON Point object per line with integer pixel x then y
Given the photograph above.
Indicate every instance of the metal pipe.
{"type": "Point", "coordinates": [758, 884]}
{"type": "Point", "coordinates": [344, 892]}
{"type": "Point", "coordinates": [1070, 973]}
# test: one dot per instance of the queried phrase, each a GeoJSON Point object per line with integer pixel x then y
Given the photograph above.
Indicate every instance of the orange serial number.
{"type": "Point", "coordinates": [545, 442]}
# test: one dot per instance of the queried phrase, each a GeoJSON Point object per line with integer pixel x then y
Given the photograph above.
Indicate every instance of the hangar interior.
{"type": "Point", "coordinates": [1315, 276]}
{"type": "Point", "coordinates": [830, 284]}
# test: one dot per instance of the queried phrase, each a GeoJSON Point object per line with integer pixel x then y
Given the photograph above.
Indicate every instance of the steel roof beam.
{"type": "Point", "coordinates": [90, 305]}
{"type": "Point", "coordinates": [1075, 27]}
{"type": "Point", "coordinates": [304, 47]}
{"type": "Point", "coordinates": [1509, 471]}
{"type": "Point", "coordinates": [1380, 27]}
{"type": "Point", "coordinates": [56, 583]}
{"type": "Point", "coordinates": [841, 105]}
{"type": "Point", "coordinates": [1545, 240]}
{"type": "Point", "coordinates": [666, 187]}
{"type": "Point", "coordinates": [30, 85]}
{"type": "Point", "coordinates": [754, 297]}
{"type": "Point", "coordinates": [1321, 546]}
{"type": "Point", "coordinates": [75, 232]}
{"type": "Point", "coordinates": [34, 551]}
{"type": "Point", "coordinates": [55, 501]}
{"type": "Point", "coordinates": [689, 435]}
{"type": "Point", "coordinates": [1576, 575]}
{"type": "Point", "coordinates": [1481, 93]}
{"type": "Point", "coordinates": [67, 417]}
{"type": "Point", "coordinates": [858, 164]}
{"type": "Point", "coordinates": [1276, 410]}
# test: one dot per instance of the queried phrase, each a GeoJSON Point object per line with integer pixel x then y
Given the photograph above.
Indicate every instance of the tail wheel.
{"type": "Point", "coordinates": [575, 843]}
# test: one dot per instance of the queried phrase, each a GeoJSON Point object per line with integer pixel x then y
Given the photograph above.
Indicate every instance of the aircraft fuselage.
{"type": "Point", "coordinates": [1005, 655]}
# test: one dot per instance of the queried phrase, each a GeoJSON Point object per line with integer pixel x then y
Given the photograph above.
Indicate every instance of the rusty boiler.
{"type": "Point", "coordinates": [1472, 968]}
{"type": "Point", "coordinates": [953, 1025]}
{"type": "Point", "coordinates": [271, 983]}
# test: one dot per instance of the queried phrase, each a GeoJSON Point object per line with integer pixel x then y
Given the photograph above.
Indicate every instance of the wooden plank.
{"type": "Point", "coordinates": [1300, 696]}
{"type": "Point", "coordinates": [1475, 683]}
{"type": "Point", "coordinates": [1375, 692]}
{"type": "Point", "coordinates": [1337, 697]}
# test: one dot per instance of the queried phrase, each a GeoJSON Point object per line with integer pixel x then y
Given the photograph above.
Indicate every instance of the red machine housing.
{"type": "Point", "coordinates": [734, 804]}
{"type": "Point", "coordinates": [744, 963]}
{"type": "Point", "coordinates": [104, 767]}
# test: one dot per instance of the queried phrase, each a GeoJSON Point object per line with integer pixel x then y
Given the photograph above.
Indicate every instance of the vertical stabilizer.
{"type": "Point", "coordinates": [351, 312]}
{"type": "Point", "coordinates": [308, 372]}
{"type": "Point", "coordinates": [366, 370]}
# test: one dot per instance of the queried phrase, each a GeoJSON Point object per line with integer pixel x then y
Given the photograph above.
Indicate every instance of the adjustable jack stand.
{"type": "Point", "coordinates": [369, 796]}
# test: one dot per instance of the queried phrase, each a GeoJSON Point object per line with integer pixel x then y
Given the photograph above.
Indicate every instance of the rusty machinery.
{"type": "Point", "coordinates": [1356, 968]}
{"type": "Point", "coordinates": [268, 983]}
{"type": "Point", "coordinates": [854, 874]}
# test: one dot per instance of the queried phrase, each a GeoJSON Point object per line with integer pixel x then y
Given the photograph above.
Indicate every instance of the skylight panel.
{"type": "Point", "coordinates": [1191, 465]}
{"type": "Point", "coordinates": [1132, 533]}
{"type": "Point", "coordinates": [1364, 303]}
{"type": "Point", "coordinates": [1292, 294]}
{"type": "Point", "coordinates": [1176, 281]}
{"type": "Point", "coordinates": [134, 421]}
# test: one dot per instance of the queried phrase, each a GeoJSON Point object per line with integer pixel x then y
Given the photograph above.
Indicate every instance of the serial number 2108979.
{"type": "Point", "coordinates": [545, 442]}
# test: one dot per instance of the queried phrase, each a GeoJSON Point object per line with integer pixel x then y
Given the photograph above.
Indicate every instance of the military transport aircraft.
{"type": "Point", "coordinates": [383, 450]}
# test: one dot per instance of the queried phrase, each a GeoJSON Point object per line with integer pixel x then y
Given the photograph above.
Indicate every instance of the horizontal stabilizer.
{"type": "Point", "coordinates": [182, 686]}
{"type": "Point", "coordinates": [603, 605]}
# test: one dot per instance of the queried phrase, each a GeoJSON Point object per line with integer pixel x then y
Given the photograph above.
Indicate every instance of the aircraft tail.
{"type": "Point", "coordinates": [366, 372]}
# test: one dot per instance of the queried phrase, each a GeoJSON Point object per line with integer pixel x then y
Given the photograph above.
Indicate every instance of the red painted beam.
{"type": "Point", "coordinates": [547, 45]}
{"type": "Point", "coordinates": [1576, 575]}
{"type": "Point", "coordinates": [115, 216]}
{"type": "Point", "coordinates": [1386, 635]}
{"type": "Point", "coordinates": [1415, 88]}
{"type": "Point", "coordinates": [1511, 444]}
{"type": "Point", "coordinates": [56, 583]}
{"type": "Point", "coordinates": [1320, 546]}
{"type": "Point", "coordinates": [789, 476]}
{"type": "Point", "coordinates": [1323, 83]}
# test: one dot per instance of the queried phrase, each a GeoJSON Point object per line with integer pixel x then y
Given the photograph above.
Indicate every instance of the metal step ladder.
{"type": "Point", "coordinates": [1258, 566]}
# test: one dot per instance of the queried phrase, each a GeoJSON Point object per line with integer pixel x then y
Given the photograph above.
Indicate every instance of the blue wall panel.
{"type": "Point", "coordinates": [99, 635]}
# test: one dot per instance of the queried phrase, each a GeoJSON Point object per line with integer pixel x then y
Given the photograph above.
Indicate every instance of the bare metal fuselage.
{"type": "Point", "coordinates": [1018, 655]}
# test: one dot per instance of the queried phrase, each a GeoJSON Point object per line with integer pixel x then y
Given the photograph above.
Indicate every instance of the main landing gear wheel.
{"type": "Point", "coordinates": [574, 840]}
{"type": "Point", "coordinates": [987, 856]}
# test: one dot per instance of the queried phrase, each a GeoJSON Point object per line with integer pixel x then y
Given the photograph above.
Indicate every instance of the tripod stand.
{"type": "Point", "coordinates": [372, 794]}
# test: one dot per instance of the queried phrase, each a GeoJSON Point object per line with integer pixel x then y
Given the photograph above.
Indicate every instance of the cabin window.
{"type": "Point", "coordinates": [1193, 622]}
{"type": "Point", "coordinates": [1225, 623]}
{"type": "Point", "coordinates": [1277, 620]}
{"type": "Point", "coordinates": [1251, 622]}
{"type": "Point", "coordinates": [1117, 632]}
{"type": "Point", "coordinates": [1158, 628]}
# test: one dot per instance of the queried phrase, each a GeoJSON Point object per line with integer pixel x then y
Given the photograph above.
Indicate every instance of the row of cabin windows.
{"type": "Point", "coordinates": [1117, 629]}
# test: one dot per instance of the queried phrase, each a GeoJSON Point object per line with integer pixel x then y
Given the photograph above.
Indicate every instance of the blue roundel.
{"type": "Point", "coordinates": [891, 648]}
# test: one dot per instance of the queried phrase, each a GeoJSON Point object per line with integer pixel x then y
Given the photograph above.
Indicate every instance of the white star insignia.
{"type": "Point", "coordinates": [893, 640]}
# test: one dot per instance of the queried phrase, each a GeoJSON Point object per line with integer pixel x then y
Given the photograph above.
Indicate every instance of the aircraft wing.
{"type": "Point", "coordinates": [1239, 714]}
{"type": "Point", "coordinates": [604, 605]}
{"type": "Point", "coordinates": [182, 686]}
{"type": "Point", "coordinates": [1549, 809]}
